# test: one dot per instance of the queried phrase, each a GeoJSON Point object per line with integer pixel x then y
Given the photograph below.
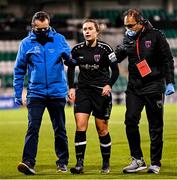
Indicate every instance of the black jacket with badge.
{"type": "Point", "coordinates": [154, 48]}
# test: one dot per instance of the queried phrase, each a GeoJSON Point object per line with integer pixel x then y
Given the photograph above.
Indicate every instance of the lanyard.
{"type": "Point", "coordinates": [138, 46]}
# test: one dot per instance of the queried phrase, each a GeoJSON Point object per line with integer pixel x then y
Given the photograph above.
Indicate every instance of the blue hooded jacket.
{"type": "Point", "coordinates": [44, 65]}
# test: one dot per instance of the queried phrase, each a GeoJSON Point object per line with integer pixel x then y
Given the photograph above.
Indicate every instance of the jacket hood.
{"type": "Point", "coordinates": [147, 25]}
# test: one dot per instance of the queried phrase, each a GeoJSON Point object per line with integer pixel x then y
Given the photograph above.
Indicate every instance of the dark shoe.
{"type": "Point", "coordinates": [26, 168]}
{"type": "Point", "coordinates": [135, 166]}
{"type": "Point", "coordinates": [79, 168]}
{"type": "Point", "coordinates": [105, 168]}
{"type": "Point", "coordinates": [62, 168]}
{"type": "Point", "coordinates": [154, 169]}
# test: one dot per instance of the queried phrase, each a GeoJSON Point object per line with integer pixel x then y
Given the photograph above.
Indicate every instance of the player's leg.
{"type": "Point", "coordinates": [101, 111]}
{"type": "Point", "coordinates": [82, 111]}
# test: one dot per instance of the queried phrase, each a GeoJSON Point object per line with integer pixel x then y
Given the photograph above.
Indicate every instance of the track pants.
{"type": "Point", "coordinates": [154, 110]}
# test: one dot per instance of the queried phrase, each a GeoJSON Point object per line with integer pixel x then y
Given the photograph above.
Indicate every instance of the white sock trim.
{"type": "Point", "coordinates": [105, 145]}
{"type": "Point", "coordinates": [80, 143]}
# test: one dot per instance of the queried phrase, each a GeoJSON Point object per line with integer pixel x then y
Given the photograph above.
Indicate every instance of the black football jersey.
{"type": "Point", "coordinates": [94, 63]}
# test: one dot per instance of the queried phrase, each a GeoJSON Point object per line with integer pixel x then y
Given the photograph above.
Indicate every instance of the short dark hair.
{"type": "Point", "coordinates": [94, 22]}
{"type": "Point", "coordinates": [137, 14]}
{"type": "Point", "coordinates": [41, 16]}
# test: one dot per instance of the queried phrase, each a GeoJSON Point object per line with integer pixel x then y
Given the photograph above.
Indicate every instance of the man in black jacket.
{"type": "Point", "coordinates": [151, 74]}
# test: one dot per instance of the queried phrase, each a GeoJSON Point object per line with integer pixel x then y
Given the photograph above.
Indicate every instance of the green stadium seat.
{"type": "Point", "coordinates": [115, 14]}
{"type": "Point", "coordinates": [174, 52]}
{"type": "Point", "coordinates": [8, 56]}
{"type": "Point", "coordinates": [7, 80]}
{"type": "Point", "coordinates": [170, 33]}
{"type": "Point", "coordinates": [176, 82]}
{"type": "Point", "coordinates": [1, 56]}
{"type": "Point", "coordinates": [111, 15]}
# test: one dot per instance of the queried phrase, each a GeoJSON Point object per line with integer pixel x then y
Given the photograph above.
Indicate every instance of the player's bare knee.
{"type": "Point", "coordinates": [102, 132]}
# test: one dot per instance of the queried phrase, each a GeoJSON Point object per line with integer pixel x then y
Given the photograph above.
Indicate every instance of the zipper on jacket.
{"type": "Point", "coordinates": [45, 69]}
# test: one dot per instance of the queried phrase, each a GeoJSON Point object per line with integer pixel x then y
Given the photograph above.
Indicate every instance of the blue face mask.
{"type": "Point", "coordinates": [130, 33]}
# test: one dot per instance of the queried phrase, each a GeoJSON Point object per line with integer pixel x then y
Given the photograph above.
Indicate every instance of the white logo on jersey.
{"type": "Point", "coordinates": [112, 57]}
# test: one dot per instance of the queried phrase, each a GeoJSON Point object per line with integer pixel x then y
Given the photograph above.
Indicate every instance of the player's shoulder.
{"type": "Point", "coordinates": [104, 45]}
{"type": "Point", "coordinates": [78, 46]}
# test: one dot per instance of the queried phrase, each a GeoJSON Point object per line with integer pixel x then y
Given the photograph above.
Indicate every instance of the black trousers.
{"type": "Point", "coordinates": [55, 107]}
{"type": "Point", "coordinates": [154, 110]}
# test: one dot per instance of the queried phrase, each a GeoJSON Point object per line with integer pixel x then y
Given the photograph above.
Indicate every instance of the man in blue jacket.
{"type": "Point", "coordinates": [41, 55]}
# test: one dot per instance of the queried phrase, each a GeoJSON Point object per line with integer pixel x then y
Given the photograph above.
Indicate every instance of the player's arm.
{"type": "Point", "coordinates": [115, 73]}
{"type": "Point", "coordinates": [114, 68]}
{"type": "Point", "coordinates": [70, 76]}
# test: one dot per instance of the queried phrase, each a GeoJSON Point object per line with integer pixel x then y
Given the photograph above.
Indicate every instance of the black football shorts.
{"type": "Point", "coordinates": [91, 100]}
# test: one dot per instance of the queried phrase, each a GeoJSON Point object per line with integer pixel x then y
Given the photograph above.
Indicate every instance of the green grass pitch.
{"type": "Point", "coordinates": [13, 125]}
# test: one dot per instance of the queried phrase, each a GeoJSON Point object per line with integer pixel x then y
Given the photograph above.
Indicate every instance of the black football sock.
{"type": "Point", "coordinates": [105, 146]}
{"type": "Point", "coordinates": [80, 144]}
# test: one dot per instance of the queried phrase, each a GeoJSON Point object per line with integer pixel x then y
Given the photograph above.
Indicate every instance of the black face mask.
{"type": "Point", "coordinates": [41, 33]}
